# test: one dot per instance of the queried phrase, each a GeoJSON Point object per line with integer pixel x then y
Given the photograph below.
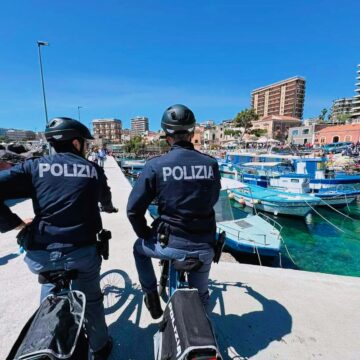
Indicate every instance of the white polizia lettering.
{"type": "Point", "coordinates": [68, 170]}
{"type": "Point", "coordinates": [43, 168]}
{"type": "Point", "coordinates": [193, 172]}
{"type": "Point", "coordinates": [176, 334]}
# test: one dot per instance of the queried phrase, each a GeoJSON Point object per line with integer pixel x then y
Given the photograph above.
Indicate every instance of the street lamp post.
{"type": "Point", "coordinates": [79, 107]}
{"type": "Point", "coordinates": [43, 43]}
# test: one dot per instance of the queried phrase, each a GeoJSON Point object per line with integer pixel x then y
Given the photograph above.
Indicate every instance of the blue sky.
{"type": "Point", "coordinates": [126, 58]}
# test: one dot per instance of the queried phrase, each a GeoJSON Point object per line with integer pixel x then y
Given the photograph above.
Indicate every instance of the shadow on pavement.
{"type": "Point", "coordinates": [5, 259]}
{"type": "Point", "coordinates": [243, 336]}
{"type": "Point", "coordinates": [239, 336]}
{"type": "Point", "coordinates": [130, 340]}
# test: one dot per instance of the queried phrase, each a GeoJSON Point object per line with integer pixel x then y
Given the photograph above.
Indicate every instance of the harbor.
{"type": "Point", "coordinates": [223, 143]}
{"type": "Point", "coordinates": [258, 312]}
{"type": "Point", "coordinates": [286, 227]}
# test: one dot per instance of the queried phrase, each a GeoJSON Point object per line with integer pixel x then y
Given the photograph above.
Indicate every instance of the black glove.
{"type": "Point", "coordinates": [109, 209]}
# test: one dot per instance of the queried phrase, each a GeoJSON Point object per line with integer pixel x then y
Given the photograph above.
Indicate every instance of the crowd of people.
{"type": "Point", "coordinates": [98, 155]}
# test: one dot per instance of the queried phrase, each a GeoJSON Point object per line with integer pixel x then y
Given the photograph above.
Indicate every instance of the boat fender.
{"type": "Point", "coordinates": [256, 201]}
{"type": "Point", "coordinates": [241, 201]}
{"type": "Point", "coordinates": [231, 195]}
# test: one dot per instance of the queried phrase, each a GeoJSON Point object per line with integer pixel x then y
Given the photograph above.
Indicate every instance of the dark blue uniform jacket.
{"type": "Point", "coordinates": [186, 184]}
{"type": "Point", "coordinates": [65, 190]}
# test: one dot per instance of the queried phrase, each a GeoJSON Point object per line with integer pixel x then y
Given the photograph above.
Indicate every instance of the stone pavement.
{"type": "Point", "coordinates": [259, 313]}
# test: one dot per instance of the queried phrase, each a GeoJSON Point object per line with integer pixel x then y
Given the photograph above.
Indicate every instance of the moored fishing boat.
{"type": "Point", "coordinates": [273, 201]}
{"type": "Point", "coordinates": [245, 233]}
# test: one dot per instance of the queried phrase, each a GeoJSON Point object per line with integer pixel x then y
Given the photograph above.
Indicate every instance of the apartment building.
{"type": "Point", "coordinates": [18, 135]}
{"type": "Point", "coordinates": [139, 125]}
{"type": "Point", "coordinates": [338, 133]}
{"type": "Point", "coordinates": [107, 129]}
{"type": "Point", "coordinates": [340, 107]}
{"type": "Point", "coordinates": [301, 135]}
{"type": "Point", "coordinates": [284, 98]}
{"type": "Point", "coordinates": [276, 126]}
{"type": "Point", "coordinates": [356, 99]}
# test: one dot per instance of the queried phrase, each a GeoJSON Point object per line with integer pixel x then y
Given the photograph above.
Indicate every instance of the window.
{"type": "Point", "coordinates": [347, 138]}
{"type": "Point", "coordinates": [305, 131]}
{"type": "Point", "coordinates": [323, 140]}
{"type": "Point", "coordinates": [295, 132]}
{"type": "Point", "coordinates": [196, 141]}
{"type": "Point", "coordinates": [295, 180]}
{"type": "Point", "coordinates": [335, 139]}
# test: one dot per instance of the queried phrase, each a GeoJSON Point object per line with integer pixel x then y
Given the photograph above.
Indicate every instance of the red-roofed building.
{"type": "Point", "coordinates": [338, 133]}
{"type": "Point", "coordinates": [277, 126]}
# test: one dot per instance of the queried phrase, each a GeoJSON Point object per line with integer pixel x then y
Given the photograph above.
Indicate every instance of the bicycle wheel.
{"type": "Point", "coordinates": [115, 286]}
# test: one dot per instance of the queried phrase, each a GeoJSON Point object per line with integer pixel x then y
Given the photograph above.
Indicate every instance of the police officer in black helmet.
{"type": "Point", "coordinates": [186, 184]}
{"type": "Point", "coordinates": [65, 189]}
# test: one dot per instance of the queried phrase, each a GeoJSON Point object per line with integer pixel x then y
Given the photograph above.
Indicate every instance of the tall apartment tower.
{"type": "Point", "coordinates": [139, 125]}
{"type": "Point", "coordinates": [356, 98]}
{"type": "Point", "coordinates": [342, 106]}
{"type": "Point", "coordinates": [108, 129]}
{"type": "Point", "coordinates": [284, 98]}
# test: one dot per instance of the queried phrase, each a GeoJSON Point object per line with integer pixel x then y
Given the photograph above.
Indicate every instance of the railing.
{"type": "Point", "coordinates": [236, 233]}
{"type": "Point", "coordinates": [272, 222]}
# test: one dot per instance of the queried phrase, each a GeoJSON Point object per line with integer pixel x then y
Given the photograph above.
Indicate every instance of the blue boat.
{"type": "Point", "coordinates": [279, 176]}
{"type": "Point", "coordinates": [245, 233]}
{"type": "Point", "coordinates": [273, 201]}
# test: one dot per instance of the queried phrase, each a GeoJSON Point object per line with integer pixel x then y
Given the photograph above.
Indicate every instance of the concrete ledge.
{"type": "Point", "coordinates": [259, 313]}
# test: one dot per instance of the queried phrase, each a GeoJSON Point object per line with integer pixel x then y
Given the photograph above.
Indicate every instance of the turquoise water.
{"type": "Point", "coordinates": [317, 246]}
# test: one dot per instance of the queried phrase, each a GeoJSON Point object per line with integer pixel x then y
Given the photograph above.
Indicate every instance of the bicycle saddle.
{"type": "Point", "coordinates": [57, 276]}
{"type": "Point", "coordinates": [189, 264]}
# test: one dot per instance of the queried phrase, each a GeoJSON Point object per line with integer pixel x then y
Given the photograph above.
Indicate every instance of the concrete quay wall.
{"type": "Point", "coordinates": [258, 313]}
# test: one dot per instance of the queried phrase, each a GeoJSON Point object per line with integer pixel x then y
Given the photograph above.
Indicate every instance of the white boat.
{"type": "Point", "coordinates": [245, 233]}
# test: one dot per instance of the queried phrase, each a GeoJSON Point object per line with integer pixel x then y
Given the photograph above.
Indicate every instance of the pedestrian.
{"type": "Point", "coordinates": [101, 156]}
{"type": "Point", "coordinates": [186, 184]}
{"type": "Point", "coordinates": [94, 155]}
{"type": "Point", "coordinates": [65, 189]}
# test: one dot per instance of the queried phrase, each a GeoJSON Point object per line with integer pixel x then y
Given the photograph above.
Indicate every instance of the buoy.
{"type": "Point", "coordinates": [231, 195]}
{"type": "Point", "coordinates": [241, 201]}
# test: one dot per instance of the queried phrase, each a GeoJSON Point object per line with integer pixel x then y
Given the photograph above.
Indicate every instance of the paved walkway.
{"type": "Point", "coordinates": [259, 313]}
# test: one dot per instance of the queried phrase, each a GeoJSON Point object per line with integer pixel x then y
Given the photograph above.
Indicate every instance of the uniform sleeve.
{"type": "Point", "coordinates": [105, 192]}
{"type": "Point", "coordinates": [15, 183]}
{"type": "Point", "coordinates": [140, 198]}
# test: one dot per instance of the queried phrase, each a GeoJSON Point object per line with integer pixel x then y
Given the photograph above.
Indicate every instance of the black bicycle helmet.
{"type": "Point", "coordinates": [63, 128]}
{"type": "Point", "coordinates": [178, 119]}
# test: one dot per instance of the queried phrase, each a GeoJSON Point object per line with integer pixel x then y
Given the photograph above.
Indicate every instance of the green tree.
{"type": "Point", "coordinates": [244, 119]}
{"type": "Point", "coordinates": [4, 139]}
{"type": "Point", "coordinates": [342, 118]}
{"type": "Point", "coordinates": [258, 132]}
{"type": "Point", "coordinates": [134, 144]}
{"type": "Point", "coordinates": [323, 115]}
{"type": "Point", "coordinates": [232, 132]}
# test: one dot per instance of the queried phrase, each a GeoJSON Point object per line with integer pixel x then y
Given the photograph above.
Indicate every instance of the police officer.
{"type": "Point", "coordinates": [65, 189]}
{"type": "Point", "coordinates": [186, 184]}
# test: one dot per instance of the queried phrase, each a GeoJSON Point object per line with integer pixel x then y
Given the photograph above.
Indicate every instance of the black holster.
{"type": "Point", "coordinates": [219, 246]}
{"type": "Point", "coordinates": [24, 237]}
{"type": "Point", "coordinates": [102, 243]}
{"type": "Point", "coordinates": [163, 231]}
